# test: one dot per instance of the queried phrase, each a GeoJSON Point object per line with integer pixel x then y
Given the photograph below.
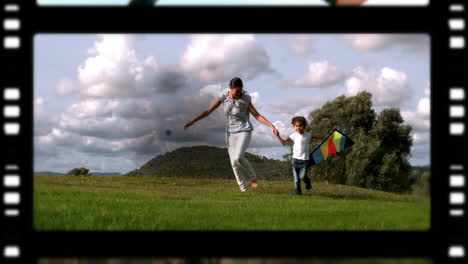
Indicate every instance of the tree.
{"type": "Point", "coordinates": [394, 169]}
{"type": "Point", "coordinates": [379, 159]}
{"type": "Point", "coordinates": [79, 172]}
{"type": "Point", "coordinates": [348, 114]}
{"type": "Point", "coordinates": [359, 162]}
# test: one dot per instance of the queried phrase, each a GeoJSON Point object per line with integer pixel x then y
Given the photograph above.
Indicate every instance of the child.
{"type": "Point", "coordinates": [300, 157]}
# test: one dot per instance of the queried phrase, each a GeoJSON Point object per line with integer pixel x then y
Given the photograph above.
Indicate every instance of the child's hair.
{"type": "Point", "coordinates": [236, 82]}
{"type": "Point", "coordinates": [300, 119]}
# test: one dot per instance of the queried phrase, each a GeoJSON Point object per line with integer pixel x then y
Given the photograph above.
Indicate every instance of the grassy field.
{"type": "Point", "coordinates": [150, 203]}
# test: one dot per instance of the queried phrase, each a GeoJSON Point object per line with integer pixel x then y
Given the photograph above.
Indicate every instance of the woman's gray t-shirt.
{"type": "Point", "coordinates": [237, 112]}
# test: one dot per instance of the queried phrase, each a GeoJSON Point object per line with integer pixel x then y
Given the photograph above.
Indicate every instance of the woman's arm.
{"type": "Point", "coordinates": [261, 118]}
{"type": "Point", "coordinates": [204, 114]}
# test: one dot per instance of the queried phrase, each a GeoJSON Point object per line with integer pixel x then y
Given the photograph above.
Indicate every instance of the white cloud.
{"type": "Point", "coordinates": [263, 137]}
{"type": "Point", "coordinates": [212, 90]}
{"type": "Point", "coordinates": [59, 141]}
{"type": "Point", "coordinates": [114, 70]}
{"type": "Point", "coordinates": [420, 121]}
{"type": "Point", "coordinates": [219, 58]}
{"type": "Point", "coordinates": [411, 43]}
{"type": "Point", "coordinates": [301, 45]}
{"type": "Point", "coordinates": [420, 151]}
{"type": "Point", "coordinates": [427, 89]}
{"type": "Point", "coordinates": [293, 105]}
{"type": "Point", "coordinates": [39, 107]}
{"type": "Point", "coordinates": [389, 87]}
{"type": "Point", "coordinates": [321, 74]}
{"type": "Point", "coordinates": [126, 105]}
{"type": "Point", "coordinates": [57, 136]}
{"type": "Point", "coordinates": [424, 107]}
{"type": "Point", "coordinates": [421, 138]}
{"type": "Point", "coordinates": [67, 87]}
{"type": "Point", "coordinates": [111, 127]}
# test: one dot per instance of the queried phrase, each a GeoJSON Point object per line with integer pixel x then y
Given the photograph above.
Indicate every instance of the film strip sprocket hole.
{"type": "Point", "coordinates": [12, 180]}
{"type": "Point", "coordinates": [457, 117]}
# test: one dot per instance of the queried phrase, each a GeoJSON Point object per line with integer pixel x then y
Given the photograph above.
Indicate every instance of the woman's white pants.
{"type": "Point", "coordinates": [237, 144]}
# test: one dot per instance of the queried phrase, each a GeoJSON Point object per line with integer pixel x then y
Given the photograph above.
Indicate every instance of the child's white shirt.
{"type": "Point", "coordinates": [301, 145]}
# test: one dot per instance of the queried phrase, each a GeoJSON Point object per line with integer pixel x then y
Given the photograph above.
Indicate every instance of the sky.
{"type": "Point", "coordinates": [229, 2]}
{"type": "Point", "coordinates": [111, 103]}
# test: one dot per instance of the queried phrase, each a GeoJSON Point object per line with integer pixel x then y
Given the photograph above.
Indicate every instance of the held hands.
{"type": "Point", "coordinates": [275, 132]}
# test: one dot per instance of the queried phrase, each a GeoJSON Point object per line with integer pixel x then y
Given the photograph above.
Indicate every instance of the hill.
{"type": "Point", "coordinates": [49, 173]}
{"type": "Point", "coordinates": [209, 162]}
{"type": "Point", "coordinates": [105, 174]}
{"type": "Point", "coordinates": [91, 173]}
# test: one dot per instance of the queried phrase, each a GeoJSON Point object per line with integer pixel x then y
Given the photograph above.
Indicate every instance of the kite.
{"type": "Point", "coordinates": [335, 142]}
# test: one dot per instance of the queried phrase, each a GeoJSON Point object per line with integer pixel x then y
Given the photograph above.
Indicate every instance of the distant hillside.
{"type": "Point", "coordinates": [49, 173]}
{"type": "Point", "coordinates": [207, 161]}
{"type": "Point", "coordinates": [91, 173]}
{"type": "Point", "coordinates": [422, 169]}
{"type": "Point", "coordinates": [105, 173]}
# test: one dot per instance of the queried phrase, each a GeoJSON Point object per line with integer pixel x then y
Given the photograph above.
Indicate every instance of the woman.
{"type": "Point", "coordinates": [237, 106]}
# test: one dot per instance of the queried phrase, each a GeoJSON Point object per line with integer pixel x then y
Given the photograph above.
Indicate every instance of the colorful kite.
{"type": "Point", "coordinates": [335, 142]}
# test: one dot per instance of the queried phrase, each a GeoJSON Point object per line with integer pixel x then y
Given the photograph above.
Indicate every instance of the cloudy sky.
{"type": "Point", "coordinates": [228, 2]}
{"type": "Point", "coordinates": [113, 102]}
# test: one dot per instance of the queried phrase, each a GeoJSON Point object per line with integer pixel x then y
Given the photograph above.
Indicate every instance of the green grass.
{"type": "Point", "coordinates": [150, 203]}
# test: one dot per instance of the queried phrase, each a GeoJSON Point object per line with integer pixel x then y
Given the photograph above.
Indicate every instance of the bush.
{"type": "Point", "coordinates": [79, 172]}
{"type": "Point", "coordinates": [422, 185]}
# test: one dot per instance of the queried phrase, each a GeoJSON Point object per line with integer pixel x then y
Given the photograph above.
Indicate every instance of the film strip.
{"type": "Point", "coordinates": [445, 242]}
{"type": "Point", "coordinates": [11, 97]}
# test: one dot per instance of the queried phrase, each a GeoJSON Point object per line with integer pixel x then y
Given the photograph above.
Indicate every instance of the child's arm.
{"type": "Point", "coordinates": [281, 140]}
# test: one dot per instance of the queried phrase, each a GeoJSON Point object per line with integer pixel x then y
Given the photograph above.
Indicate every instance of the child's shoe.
{"type": "Point", "coordinates": [308, 184]}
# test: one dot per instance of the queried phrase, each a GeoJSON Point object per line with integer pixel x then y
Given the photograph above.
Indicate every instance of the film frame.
{"type": "Point", "coordinates": [445, 242]}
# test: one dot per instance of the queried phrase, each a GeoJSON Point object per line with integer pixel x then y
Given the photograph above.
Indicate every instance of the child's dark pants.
{"type": "Point", "coordinates": [299, 168]}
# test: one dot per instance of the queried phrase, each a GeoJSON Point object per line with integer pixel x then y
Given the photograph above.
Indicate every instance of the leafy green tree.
{"type": "Point", "coordinates": [348, 114]}
{"type": "Point", "coordinates": [379, 159]}
{"type": "Point", "coordinates": [394, 170]}
{"type": "Point", "coordinates": [360, 160]}
{"type": "Point", "coordinates": [79, 172]}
